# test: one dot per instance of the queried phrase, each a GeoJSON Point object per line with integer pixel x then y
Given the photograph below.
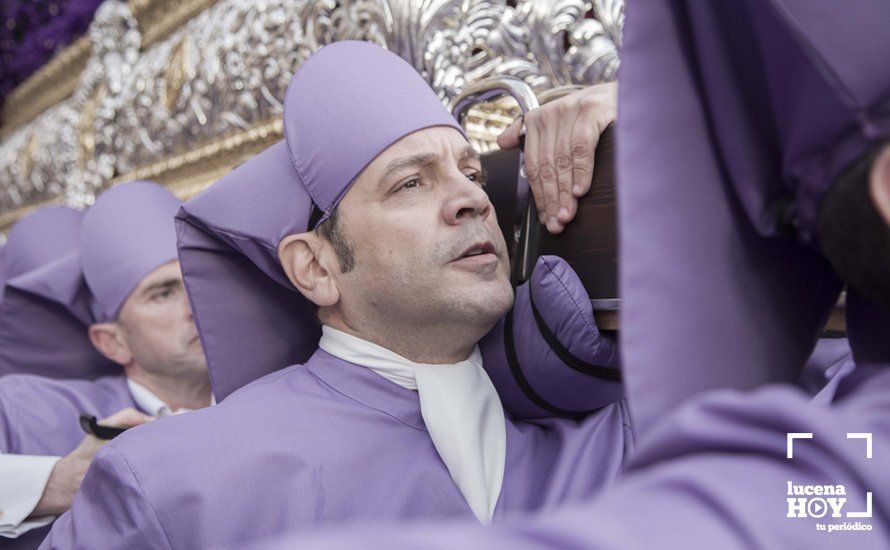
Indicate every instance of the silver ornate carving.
{"type": "Point", "coordinates": [227, 69]}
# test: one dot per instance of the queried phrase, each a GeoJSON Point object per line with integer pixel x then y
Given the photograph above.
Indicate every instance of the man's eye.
{"type": "Point", "coordinates": [479, 177]}
{"type": "Point", "coordinates": [162, 295]}
{"type": "Point", "coordinates": [410, 184]}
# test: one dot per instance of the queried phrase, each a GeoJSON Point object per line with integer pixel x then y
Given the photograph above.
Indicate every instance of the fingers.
{"type": "Point", "coordinates": [565, 165]}
{"type": "Point", "coordinates": [547, 170]}
{"type": "Point", "coordinates": [582, 147]}
{"type": "Point", "coordinates": [561, 140]}
{"type": "Point", "coordinates": [126, 418]}
{"type": "Point", "coordinates": [531, 169]}
{"type": "Point", "coordinates": [509, 138]}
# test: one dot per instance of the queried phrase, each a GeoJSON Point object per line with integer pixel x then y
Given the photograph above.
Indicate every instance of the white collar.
{"type": "Point", "coordinates": [152, 404]}
{"type": "Point", "coordinates": [459, 405]}
{"type": "Point", "coordinates": [387, 363]}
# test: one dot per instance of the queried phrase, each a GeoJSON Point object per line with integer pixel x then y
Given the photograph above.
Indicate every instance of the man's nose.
{"type": "Point", "coordinates": [465, 201]}
{"type": "Point", "coordinates": [186, 307]}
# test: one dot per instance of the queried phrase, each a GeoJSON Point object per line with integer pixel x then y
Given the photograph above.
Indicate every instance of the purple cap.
{"type": "Point", "coordinates": [758, 107]}
{"type": "Point", "coordinates": [45, 306]}
{"type": "Point", "coordinates": [126, 234]}
{"type": "Point", "coordinates": [345, 105]}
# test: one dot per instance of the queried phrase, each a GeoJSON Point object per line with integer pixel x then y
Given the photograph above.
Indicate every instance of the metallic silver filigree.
{"type": "Point", "coordinates": [226, 71]}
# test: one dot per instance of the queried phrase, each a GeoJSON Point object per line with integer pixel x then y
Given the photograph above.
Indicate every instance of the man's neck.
{"type": "Point", "coordinates": [439, 347]}
{"type": "Point", "coordinates": [176, 393]}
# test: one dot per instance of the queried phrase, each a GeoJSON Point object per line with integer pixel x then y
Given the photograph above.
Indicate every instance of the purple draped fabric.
{"type": "Point", "coordinates": [40, 333]}
{"type": "Point", "coordinates": [40, 237]}
{"type": "Point", "coordinates": [709, 158]}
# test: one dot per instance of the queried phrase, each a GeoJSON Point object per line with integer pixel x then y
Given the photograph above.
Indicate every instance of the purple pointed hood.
{"type": "Point", "coordinates": [126, 234]}
{"type": "Point", "coordinates": [736, 117]}
{"type": "Point", "coordinates": [42, 236]}
{"type": "Point", "coordinates": [41, 317]}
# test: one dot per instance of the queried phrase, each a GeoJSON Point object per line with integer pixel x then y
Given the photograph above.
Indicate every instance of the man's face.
{"type": "Point", "coordinates": [427, 249]}
{"type": "Point", "coordinates": [157, 325]}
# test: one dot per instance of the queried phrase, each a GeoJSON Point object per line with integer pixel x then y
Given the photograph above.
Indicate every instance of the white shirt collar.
{"type": "Point", "coordinates": [459, 405]}
{"type": "Point", "coordinates": [385, 362]}
{"type": "Point", "coordinates": [151, 404]}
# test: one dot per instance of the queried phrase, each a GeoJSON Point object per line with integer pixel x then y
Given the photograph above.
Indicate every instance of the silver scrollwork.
{"type": "Point", "coordinates": [227, 69]}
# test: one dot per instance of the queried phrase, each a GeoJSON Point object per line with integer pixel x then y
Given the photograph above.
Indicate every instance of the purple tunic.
{"type": "Point", "coordinates": [323, 443]}
{"type": "Point", "coordinates": [713, 475]}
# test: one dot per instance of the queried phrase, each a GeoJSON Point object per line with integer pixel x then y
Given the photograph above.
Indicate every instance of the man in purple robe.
{"type": "Point", "coordinates": [122, 287]}
{"type": "Point", "coordinates": [753, 140]}
{"type": "Point", "coordinates": [392, 238]}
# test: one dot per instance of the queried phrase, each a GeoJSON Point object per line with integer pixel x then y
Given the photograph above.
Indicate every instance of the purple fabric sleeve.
{"type": "Point", "coordinates": [127, 520]}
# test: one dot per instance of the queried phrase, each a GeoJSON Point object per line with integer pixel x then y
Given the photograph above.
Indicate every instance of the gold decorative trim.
{"type": "Point", "coordinates": [49, 85]}
{"type": "Point", "coordinates": [189, 173]}
{"type": "Point", "coordinates": [58, 79]}
{"type": "Point", "coordinates": [159, 18]}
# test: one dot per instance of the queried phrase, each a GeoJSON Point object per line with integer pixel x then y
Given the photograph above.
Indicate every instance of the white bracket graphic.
{"type": "Point", "coordinates": [798, 435]}
{"type": "Point", "coordinates": [867, 437]}
{"type": "Point", "coordinates": [867, 512]}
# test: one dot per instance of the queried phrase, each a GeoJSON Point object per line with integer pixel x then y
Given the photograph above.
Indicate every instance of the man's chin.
{"type": "Point", "coordinates": [491, 300]}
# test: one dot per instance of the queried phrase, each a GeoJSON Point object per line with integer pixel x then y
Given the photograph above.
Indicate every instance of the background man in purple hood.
{"type": "Point", "coordinates": [119, 292]}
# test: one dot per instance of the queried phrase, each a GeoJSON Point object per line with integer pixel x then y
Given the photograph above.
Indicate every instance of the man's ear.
{"type": "Point", "coordinates": [879, 183]}
{"type": "Point", "coordinates": [107, 338]}
{"type": "Point", "coordinates": [304, 258]}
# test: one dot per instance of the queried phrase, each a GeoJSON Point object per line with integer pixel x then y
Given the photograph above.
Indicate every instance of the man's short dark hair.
{"type": "Point", "coordinates": [331, 230]}
{"type": "Point", "coordinates": [853, 234]}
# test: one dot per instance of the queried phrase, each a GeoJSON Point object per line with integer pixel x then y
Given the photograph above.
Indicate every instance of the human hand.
{"type": "Point", "coordinates": [68, 473]}
{"type": "Point", "coordinates": [560, 142]}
